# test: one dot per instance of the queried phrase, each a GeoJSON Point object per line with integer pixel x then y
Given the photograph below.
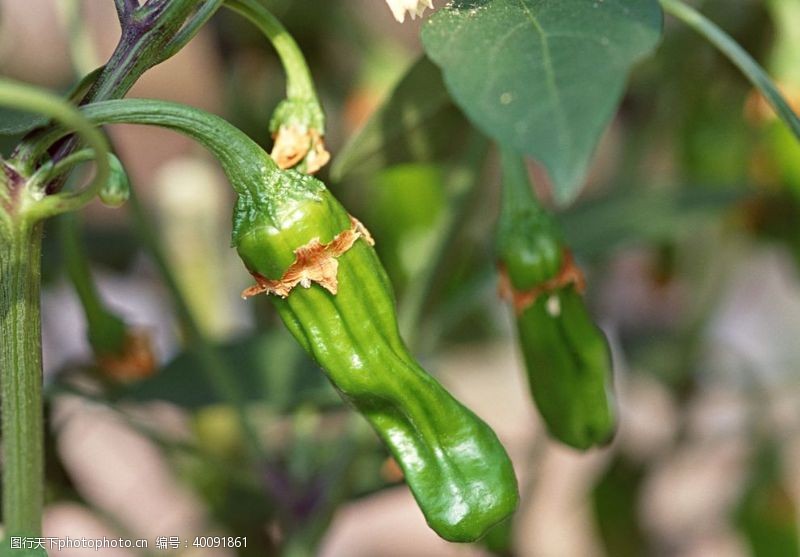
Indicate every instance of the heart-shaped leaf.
{"type": "Point", "coordinates": [542, 76]}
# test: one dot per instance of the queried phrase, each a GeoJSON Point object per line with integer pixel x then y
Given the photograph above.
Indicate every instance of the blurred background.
{"type": "Point", "coordinates": [688, 231]}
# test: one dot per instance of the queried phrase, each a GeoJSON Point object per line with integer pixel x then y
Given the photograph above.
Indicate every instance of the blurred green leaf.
{"type": "Point", "coordinates": [6, 551]}
{"type": "Point", "coordinates": [601, 225]}
{"type": "Point", "coordinates": [417, 119]}
{"type": "Point", "coordinates": [543, 76]}
{"type": "Point", "coordinates": [767, 513]}
{"type": "Point", "coordinates": [407, 201]}
{"type": "Point", "coordinates": [16, 122]}
{"type": "Point", "coordinates": [270, 367]}
{"type": "Point", "coordinates": [615, 500]}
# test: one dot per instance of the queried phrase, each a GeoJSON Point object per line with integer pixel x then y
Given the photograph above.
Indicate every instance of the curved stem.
{"type": "Point", "coordinates": [146, 31]}
{"type": "Point", "coordinates": [736, 54]}
{"type": "Point", "coordinates": [66, 164]}
{"type": "Point", "coordinates": [299, 84]}
{"type": "Point", "coordinates": [517, 192]}
{"type": "Point", "coordinates": [21, 379]}
{"type": "Point", "coordinates": [33, 99]}
{"type": "Point", "coordinates": [106, 331]}
{"type": "Point", "coordinates": [238, 154]}
{"type": "Point", "coordinates": [200, 17]}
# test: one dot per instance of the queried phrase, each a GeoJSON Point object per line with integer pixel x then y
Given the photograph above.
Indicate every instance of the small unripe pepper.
{"type": "Point", "coordinates": [335, 297]}
{"type": "Point", "coordinates": [567, 357]}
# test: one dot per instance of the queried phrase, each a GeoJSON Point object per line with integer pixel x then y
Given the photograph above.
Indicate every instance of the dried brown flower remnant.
{"type": "Point", "coordinates": [135, 361]}
{"type": "Point", "coordinates": [314, 262]}
{"type": "Point", "coordinates": [570, 273]}
{"type": "Point", "coordinates": [295, 143]}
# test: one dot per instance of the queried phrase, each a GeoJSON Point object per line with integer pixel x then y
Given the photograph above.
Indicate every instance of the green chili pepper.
{"type": "Point", "coordinates": [454, 464]}
{"type": "Point", "coordinates": [335, 297]}
{"type": "Point", "coordinates": [567, 356]}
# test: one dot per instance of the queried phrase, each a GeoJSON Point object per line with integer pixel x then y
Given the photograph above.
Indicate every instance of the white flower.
{"type": "Point", "coordinates": [414, 7]}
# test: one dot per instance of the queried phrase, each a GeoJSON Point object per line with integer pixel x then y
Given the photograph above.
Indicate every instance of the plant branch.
{"type": "Point", "coordinates": [33, 99]}
{"type": "Point", "coordinates": [141, 46]}
{"type": "Point", "coordinates": [736, 54]}
{"type": "Point", "coordinates": [21, 379]}
{"type": "Point", "coordinates": [202, 14]}
{"type": "Point", "coordinates": [299, 84]}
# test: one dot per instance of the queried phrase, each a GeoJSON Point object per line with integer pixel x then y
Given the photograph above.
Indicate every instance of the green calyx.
{"type": "Point", "coordinates": [304, 113]}
{"type": "Point", "coordinates": [272, 201]}
{"type": "Point", "coordinates": [528, 241]}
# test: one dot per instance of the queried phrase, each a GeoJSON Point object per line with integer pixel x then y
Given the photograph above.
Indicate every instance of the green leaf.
{"type": "Point", "coordinates": [270, 369]}
{"type": "Point", "coordinates": [615, 501]}
{"type": "Point", "coordinates": [16, 122]}
{"type": "Point", "coordinates": [6, 549]}
{"type": "Point", "coordinates": [632, 216]}
{"type": "Point", "coordinates": [542, 76]}
{"type": "Point", "coordinates": [418, 112]}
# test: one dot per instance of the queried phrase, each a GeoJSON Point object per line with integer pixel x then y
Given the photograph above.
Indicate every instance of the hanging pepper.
{"type": "Point", "coordinates": [566, 355]}
{"type": "Point", "coordinates": [324, 277]}
{"type": "Point", "coordinates": [318, 266]}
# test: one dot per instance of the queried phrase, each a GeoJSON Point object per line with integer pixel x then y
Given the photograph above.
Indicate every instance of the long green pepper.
{"type": "Point", "coordinates": [453, 462]}
{"type": "Point", "coordinates": [566, 355]}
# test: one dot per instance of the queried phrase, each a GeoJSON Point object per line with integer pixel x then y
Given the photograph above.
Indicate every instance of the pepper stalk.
{"type": "Point", "coordinates": [23, 206]}
{"type": "Point", "coordinates": [298, 123]}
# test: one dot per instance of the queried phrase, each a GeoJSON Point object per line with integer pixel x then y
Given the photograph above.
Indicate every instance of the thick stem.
{"type": "Point", "coordinates": [140, 48]}
{"type": "Point", "coordinates": [21, 379]}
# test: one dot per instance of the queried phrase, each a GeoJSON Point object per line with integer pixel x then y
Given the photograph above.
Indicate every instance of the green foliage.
{"type": "Point", "coordinates": [542, 76]}
{"type": "Point", "coordinates": [417, 122]}
{"type": "Point", "coordinates": [615, 501]}
{"type": "Point", "coordinates": [270, 369]}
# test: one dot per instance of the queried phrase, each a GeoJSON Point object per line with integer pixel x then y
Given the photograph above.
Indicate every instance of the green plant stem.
{"type": "Point", "coordinates": [21, 379]}
{"type": "Point", "coordinates": [736, 54]}
{"type": "Point", "coordinates": [145, 35]}
{"type": "Point", "coordinates": [200, 17]}
{"type": "Point", "coordinates": [32, 99]}
{"type": "Point", "coordinates": [299, 84]}
{"type": "Point", "coordinates": [517, 192]}
{"type": "Point", "coordinates": [146, 32]}
{"type": "Point", "coordinates": [462, 180]}
{"type": "Point", "coordinates": [213, 364]}
{"type": "Point", "coordinates": [107, 332]}
{"type": "Point", "coordinates": [78, 268]}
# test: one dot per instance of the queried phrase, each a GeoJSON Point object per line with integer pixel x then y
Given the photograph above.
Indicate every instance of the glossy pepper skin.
{"type": "Point", "coordinates": [566, 355]}
{"type": "Point", "coordinates": [453, 462]}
